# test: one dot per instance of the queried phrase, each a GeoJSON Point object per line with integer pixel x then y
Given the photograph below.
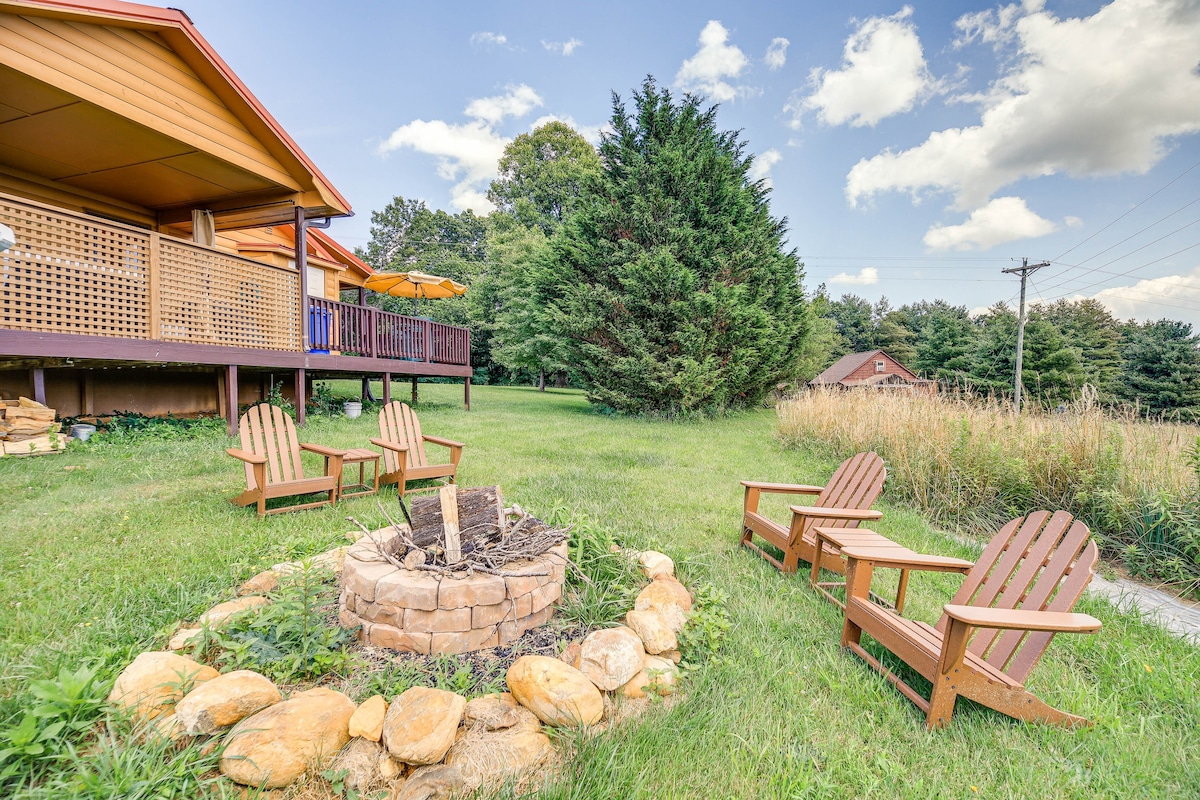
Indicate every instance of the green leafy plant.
{"type": "Point", "coordinates": [63, 709]}
{"type": "Point", "coordinates": [324, 401]}
{"type": "Point", "coordinates": [708, 624]}
{"type": "Point", "coordinates": [275, 397]}
{"type": "Point", "coordinates": [606, 582]}
{"type": "Point", "coordinates": [291, 638]}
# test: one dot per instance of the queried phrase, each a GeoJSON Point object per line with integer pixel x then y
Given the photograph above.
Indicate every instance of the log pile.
{"type": "Point", "coordinates": [27, 427]}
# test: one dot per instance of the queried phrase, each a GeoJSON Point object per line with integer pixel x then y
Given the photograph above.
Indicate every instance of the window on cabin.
{"type": "Point", "coordinates": [880, 366]}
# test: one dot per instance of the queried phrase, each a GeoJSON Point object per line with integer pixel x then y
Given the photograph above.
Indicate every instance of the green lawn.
{"type": "Point", "coordinates": [102, 559]}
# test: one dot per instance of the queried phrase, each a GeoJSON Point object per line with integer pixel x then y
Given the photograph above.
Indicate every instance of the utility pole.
{"type": "Point", "coordinates": [1024, 270]}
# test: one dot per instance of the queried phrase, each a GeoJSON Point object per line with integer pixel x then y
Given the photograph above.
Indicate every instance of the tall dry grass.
{"type": "Point", "coordinates": [971, 464]}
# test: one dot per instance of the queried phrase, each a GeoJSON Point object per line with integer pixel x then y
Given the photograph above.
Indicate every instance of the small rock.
{"type": "Point", "coordinates": [389, 768]}
{"type": "Point", "coordinates": [614, 548]}
{"type": "Point", "coordinates": [262, 583]}
{"type": "Point", "coordinates": [636, 688]}
{"type": "Point", "coordinates": [331, 559]}
{"type": "Point", "coordinates": [653, 629]}
{"type": "Point", "coordinates": [359, 760]}
{"type": "Point", "coordinates": [420, 724]}
{"type": "Point", "coordinates": [151, 685]}
{"type": "Point", "coordinates": [654, 563]}
{"type": "Point", "coordinates": [557, 693]}
{"type": "Point", "coordinates": [663, 674]}
{"type": "Point", "coordinates": [438, 782]}
{"type": "Point", "coordinates": [414, 558]}
{"type": "Point", "coordinates": [674, 655]}
{"type": "Point", "coordinates": [219, 614]}
{"type": "Point", "coordinates": [669, 597]}
{"type": "Point", "coordinates": [497, 711]}
{"type": "Point", "coordinates": [367, 721]}
{"type": "Point", "coordinates": [611, 656]}
{"type": "Point", "coordinates": [184, 637]}
{"type": "Point", "coordinates": [570, 655]}
{"type": "Point", "coordinates": [274, 747]}
{"type": "Point", "coordinates": [488, 758]}
{"type": "Point", "coordinates": [166, 727]}
{"type": "Point", "coordinates": [225, 700]}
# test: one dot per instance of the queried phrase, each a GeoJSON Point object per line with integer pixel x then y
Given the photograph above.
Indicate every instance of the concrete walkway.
{"type": "Point", "coordinates": [1179, 617]}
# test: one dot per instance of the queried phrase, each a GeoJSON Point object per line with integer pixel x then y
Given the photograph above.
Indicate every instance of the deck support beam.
{"type": "Point", "coordinates": [467, 393]}
{"type": "Point", "coordinates": [231, 398]}
{"type": "Point", "coordinates": [414, 390]}
{"type": "Point", "coordinates": [300, 396]}
{"type": "Point", "coordinates": [39, 384]}
{"type": "Point", "coordinates": [387, 388]}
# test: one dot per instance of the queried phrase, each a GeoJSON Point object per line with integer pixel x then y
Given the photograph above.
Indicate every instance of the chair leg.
{"type": "Point", "coordinates": [941, 702]}
{"type": "Point", "coordinates": [262, 506]}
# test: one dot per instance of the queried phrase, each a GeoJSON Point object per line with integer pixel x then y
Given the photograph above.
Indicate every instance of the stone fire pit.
{"type": "Point", "coordinates": [398, 586]}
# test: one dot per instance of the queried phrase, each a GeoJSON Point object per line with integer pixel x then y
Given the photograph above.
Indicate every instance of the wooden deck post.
{"type": "Point", "coordinates": [300, 398]}
{"type": "Point", "coordinates": [302, 268]}
{"type": "Point", "coordinates": [467, 394]}
{"type": "Point", "coordinates": [231, 398]}
{"type": "Point", "coordinates": [87, 404]}
{"type": "Point", "coordinates": [414, 390]}
{"type": "Point", "coordinates": [39, 385]}
{"type": "Point", "coordinates": [387, 388]}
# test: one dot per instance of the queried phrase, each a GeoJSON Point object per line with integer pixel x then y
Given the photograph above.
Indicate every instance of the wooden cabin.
{"type": "Point", "coordinates": [169, 251]}
{"type": "Point", "coordinates": [872, 370]}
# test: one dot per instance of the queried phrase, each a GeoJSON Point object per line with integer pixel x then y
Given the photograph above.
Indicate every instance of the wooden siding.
{"type": "Point", "coordinates": [867, 370]}
{"type": "Point", "coordinates": [135, 75]}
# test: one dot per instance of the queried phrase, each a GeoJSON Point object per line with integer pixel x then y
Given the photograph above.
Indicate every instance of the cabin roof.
{"type": "Point", "coordinates": [841, 369]}
{"type": "Point", "coordinates": [129, 102]}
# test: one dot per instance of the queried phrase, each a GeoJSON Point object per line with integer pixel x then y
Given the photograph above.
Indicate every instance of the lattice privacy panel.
{"type": "Point", "coordinates": [69, 273]}
{"type": "Point", "coordinates": [208, 297]}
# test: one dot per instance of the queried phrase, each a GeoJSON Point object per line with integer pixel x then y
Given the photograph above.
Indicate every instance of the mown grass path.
{"type": "Point", "coordinates": [102, 559]}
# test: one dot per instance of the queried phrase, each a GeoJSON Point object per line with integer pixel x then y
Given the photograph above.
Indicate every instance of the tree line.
{"type": "Point", "coordinates": [650, 272]}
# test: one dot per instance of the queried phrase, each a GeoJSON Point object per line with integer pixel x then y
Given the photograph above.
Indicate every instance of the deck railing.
{"type": "Point", "coordinates": [76, 273]}
{"type": "Point", "coordinates": [366, 331]}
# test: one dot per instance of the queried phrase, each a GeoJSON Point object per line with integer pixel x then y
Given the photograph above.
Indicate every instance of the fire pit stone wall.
{"type": "Point", "coordinates": [423, 612]}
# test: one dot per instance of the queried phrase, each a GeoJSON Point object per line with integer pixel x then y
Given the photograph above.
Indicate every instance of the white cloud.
{"type": "Point", "coordinates": [1073, 222]}
{"type": "Point", "coordinates": [563, 48]}
{"type": "Point", "coordinates": [516, 102]}
{"type": "Point", "coordinates": [776, 55]}
{"type": "Point", "coordinates": [1004, 219]}
{"type": "Point", "coordinates": [706, 72]}
{"type": "Point", "coordinates": [466, 153]}
{"type": "Point", "coordinates": [763, 163]}
{"type": "Point", "coordinates": [486, 38]}
{"type": "Point", "coordinates": [867, 276]}
{"type": "Point", "coordinates": [883, 73]}
{"type": "Point", "coordinates": [991, 26]}
{"type": "Point", "coordinates": [1083, 96]}
{"type": "Point", "coordinates": [1178, 296]}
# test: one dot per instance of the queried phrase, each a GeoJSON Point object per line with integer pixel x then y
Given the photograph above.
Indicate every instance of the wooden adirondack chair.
{"type": "Point", "coordinates": [404, 449]}
{"type": "Point", "coordinates": [1017, 596]}
{"type": "Point", "coordinates": [271, 454]}
{"type": "Point", "coordinates": [842, 503]}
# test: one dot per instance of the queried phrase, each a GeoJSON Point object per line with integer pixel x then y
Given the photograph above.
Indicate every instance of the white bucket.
{"type": "Point", "coordinates": [82, 431]}
{"type": "Point", "coordinates": [353, 409]}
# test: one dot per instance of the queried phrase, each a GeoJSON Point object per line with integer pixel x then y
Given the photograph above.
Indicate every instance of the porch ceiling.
{"type": "Point", "coordinates": [56, 136]}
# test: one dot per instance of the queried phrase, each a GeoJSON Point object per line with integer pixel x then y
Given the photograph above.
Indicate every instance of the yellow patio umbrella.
{"type": "Point", "coordinates": [415, 285]}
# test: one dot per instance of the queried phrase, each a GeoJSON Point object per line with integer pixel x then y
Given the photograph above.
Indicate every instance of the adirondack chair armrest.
{"type": "Point", "coordinates": [890, 559]}
{"type": "Point", "coordinates": [385, 444]}
{"type": "Point", "coordinates": [443, 442]}
{"type": "Point", "coordinates": [1023, 619]}
{"type": "Point", "coordinates": [860, 514]}
{"type": "Point", "coordinates": [322, 450]}
{"type": "Point", "coordinates": [783, 488]}
{"type": "Point", "coordinates": [242, 455]}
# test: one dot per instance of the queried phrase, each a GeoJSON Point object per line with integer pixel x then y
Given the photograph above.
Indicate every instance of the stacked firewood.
{"type": "Point", "coordinates": [27, 427]}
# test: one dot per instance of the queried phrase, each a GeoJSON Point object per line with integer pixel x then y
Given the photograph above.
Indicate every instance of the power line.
{"type": "Point", "coordinates": [1100, 268]}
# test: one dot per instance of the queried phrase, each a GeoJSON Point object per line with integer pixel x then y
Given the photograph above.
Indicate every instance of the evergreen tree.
{"type": "Point", "coordinates": [1051, 370]}
{"type": "Point", "coordinates": [994, 357]}
{"type": "Point", "coordinates": [945, 342]}
{"type": "Point", "coordinates": [670, 286]}
{"type": "Point", "coordinates": [1161, 367]}
{"type": "Point", "coordinates": [1088, 326]}
{"type": "Point", "coordinates": [855, 322]}
{"type": "Point", "coordinates": [824, 344]}
{"type": "Point", "coordinates": [893, 335]}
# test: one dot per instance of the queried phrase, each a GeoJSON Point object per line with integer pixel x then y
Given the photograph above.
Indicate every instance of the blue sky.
{"type": "Point", "coordinates": [917, 149]}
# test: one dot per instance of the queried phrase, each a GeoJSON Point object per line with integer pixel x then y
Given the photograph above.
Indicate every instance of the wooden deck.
{"type": "Point", "coordinates": [79, 291]}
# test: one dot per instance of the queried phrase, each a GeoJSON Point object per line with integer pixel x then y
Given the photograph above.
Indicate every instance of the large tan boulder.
{"type": "Point", "coordinates": [367, 721]}
{"type": "Point", "coordinates": [262, 583]}
{"type": "Point", "coordinates": [488, 758]}
{"type": "Point", "coordinates": [654, 563]}
{"type": "Point", "coordinates": [438, 782]}
{"type": "Point", "coordinates": [275, 746]}
{"type": "Point", "coordinates": [667, 596]}
{"type": "Point", "coordinates": [421, 723]}
{"type": "Point", "coordinates": [611, 656]}
{"type": "Point", "coordinates": [653, 629]}
{"type": "Point", "coordinates": [218, 615]}
{"type": "Point", "coordinates": [152, 684]}
{"type": "Point", "coordinates": [225, 700]}
{"type": "Point", "coordinates": [557, 693]}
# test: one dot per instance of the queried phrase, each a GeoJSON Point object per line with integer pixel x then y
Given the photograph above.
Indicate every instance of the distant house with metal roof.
{"type": "Point", "coordinates": [873, 369]}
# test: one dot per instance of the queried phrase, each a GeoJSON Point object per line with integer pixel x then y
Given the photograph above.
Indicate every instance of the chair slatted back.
{"type": "Point", "coordinates": [398, 423]}
{"type": "Point", "coordinates": [856, 484]}
{"type": "Point", "coordinates": [266, 430]}
{"type": "Point", "coordinates": [1039, 562]}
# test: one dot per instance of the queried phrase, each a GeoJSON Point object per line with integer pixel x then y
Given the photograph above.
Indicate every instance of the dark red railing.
{"type": "Point", "coordinates": [366, 331]}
